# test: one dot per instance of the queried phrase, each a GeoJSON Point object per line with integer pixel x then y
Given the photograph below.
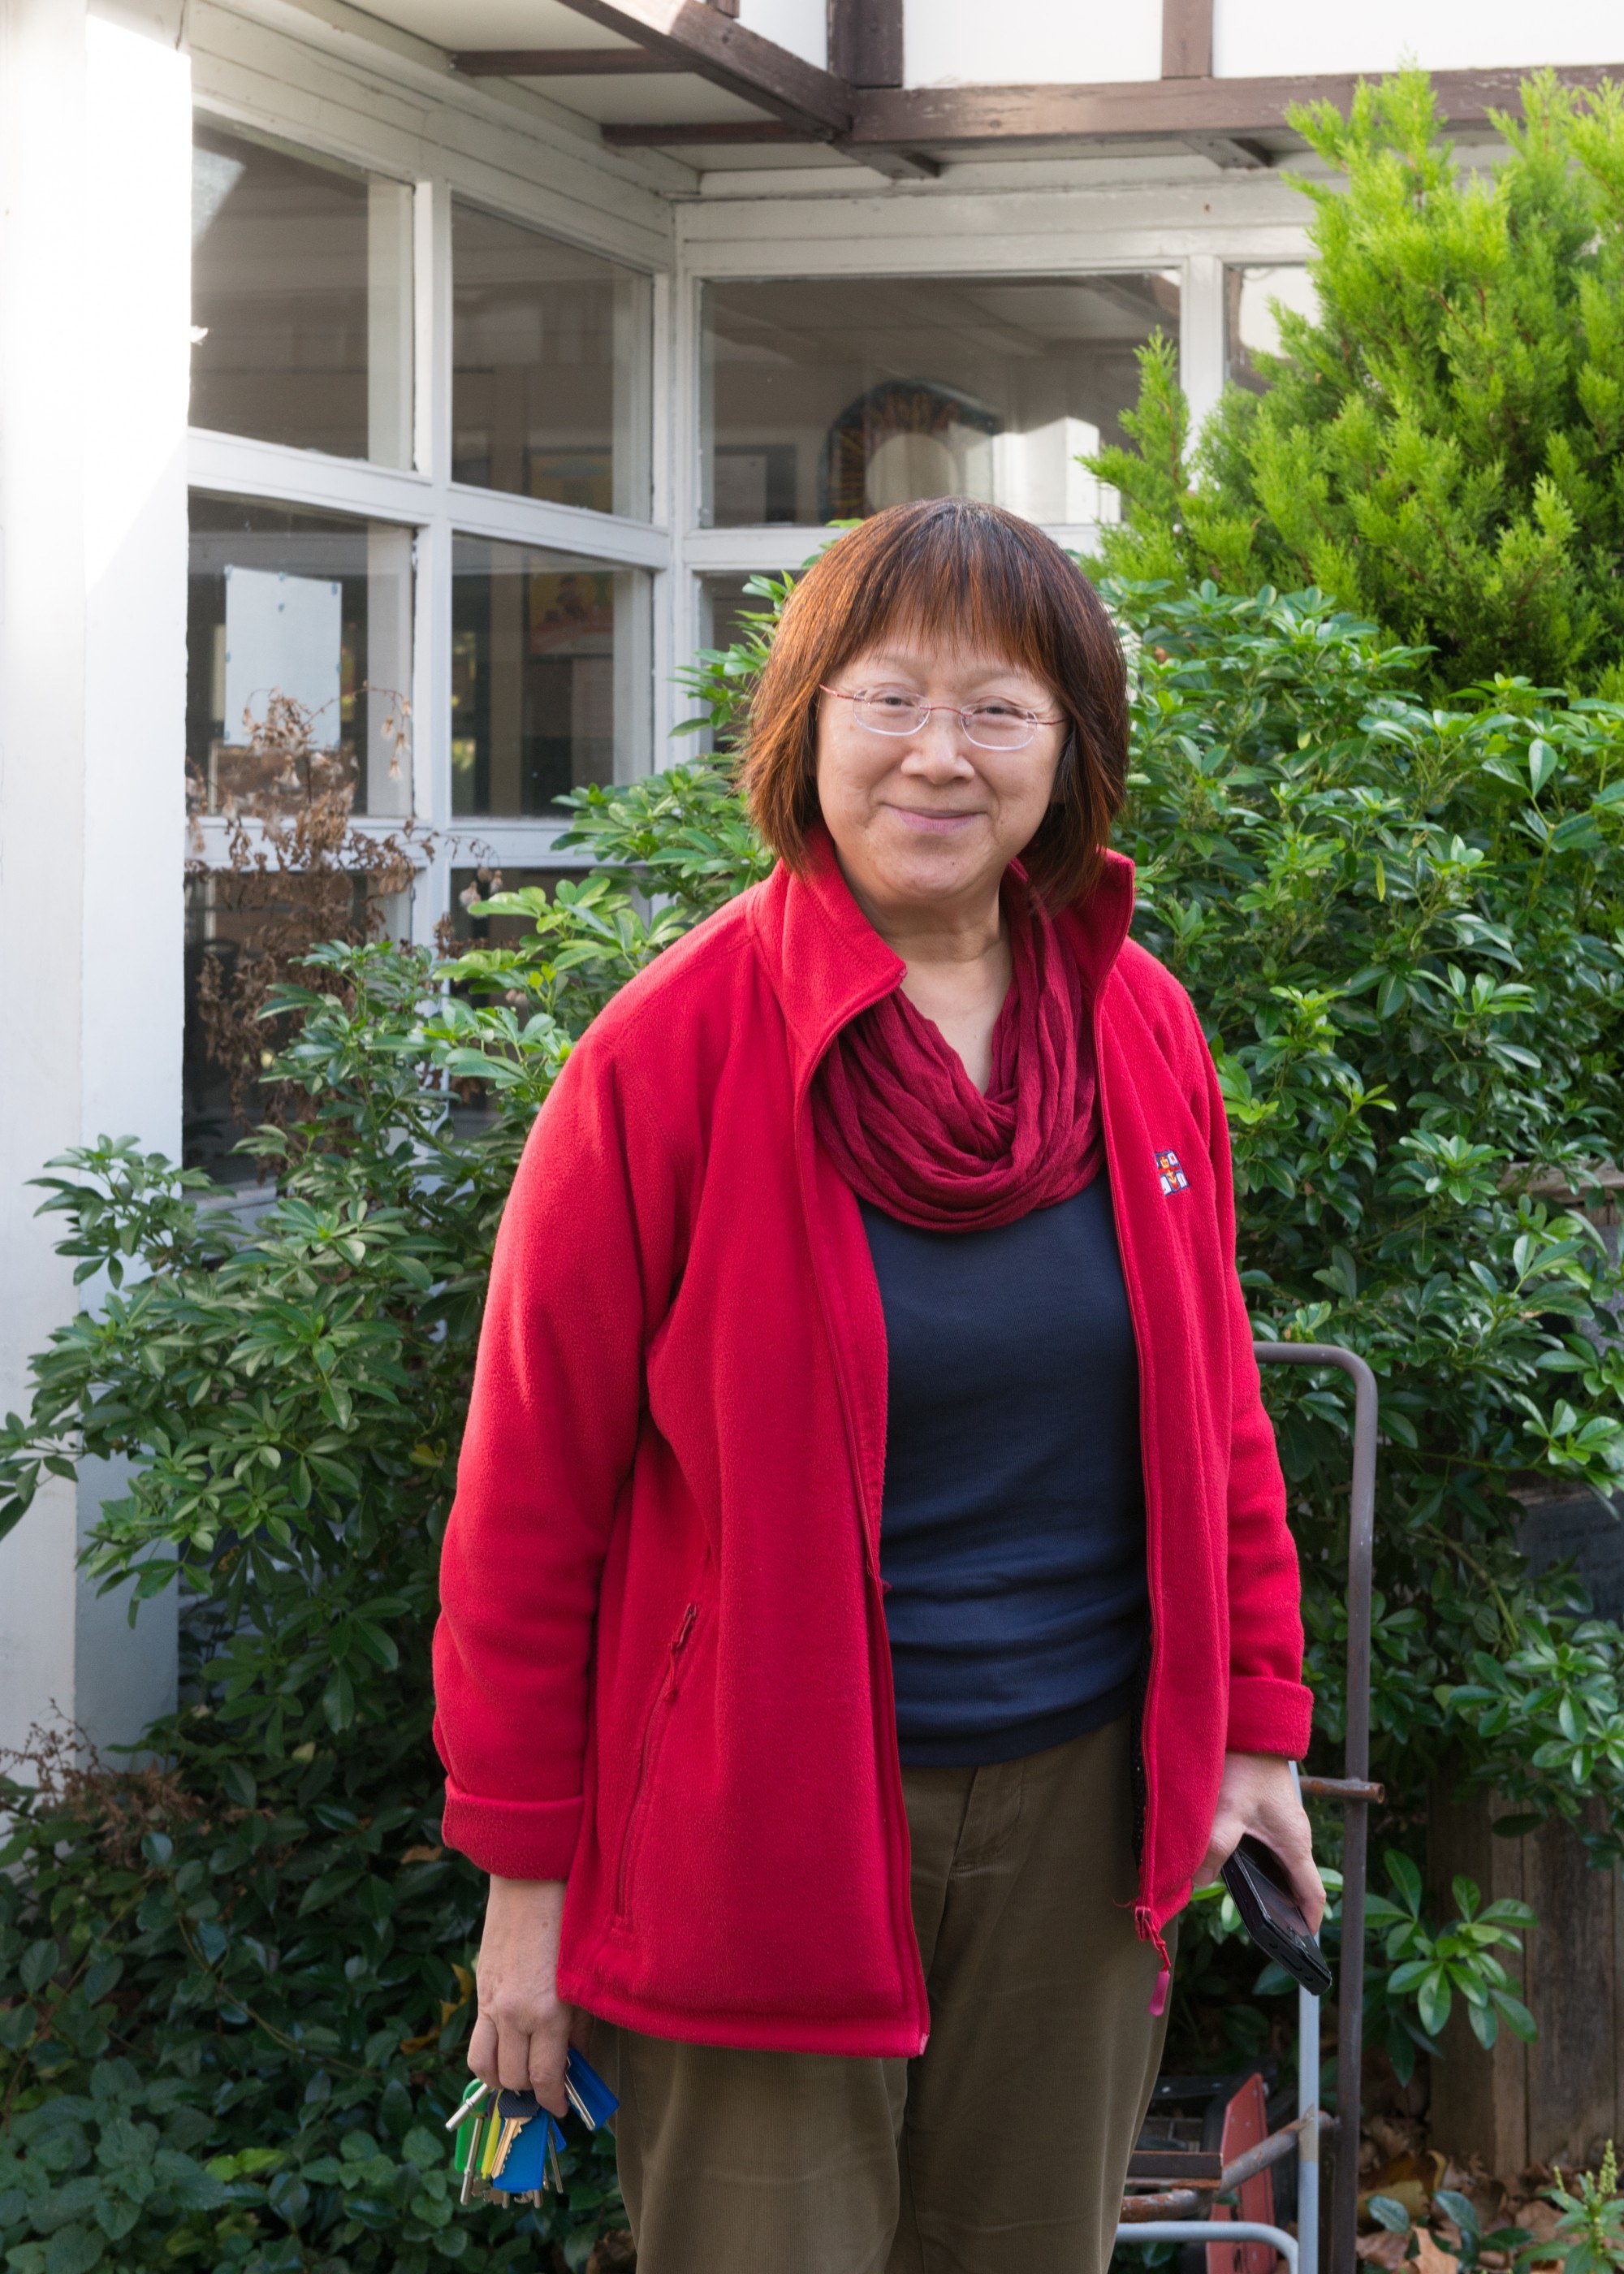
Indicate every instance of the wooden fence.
{"type": "Point", "coordinates": [1562, 2098]}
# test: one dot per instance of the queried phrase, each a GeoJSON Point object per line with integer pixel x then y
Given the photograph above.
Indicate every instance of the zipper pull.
{"type": "Point", "coordinates": [680, 1644]}
{"type": "Point", "coordinates": [1146, 1927]}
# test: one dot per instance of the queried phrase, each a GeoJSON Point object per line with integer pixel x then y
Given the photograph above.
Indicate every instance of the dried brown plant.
{"type": "Point", "coordinates": [120, 1806]}
{"type": "Point", "coordinates": [297, 872]}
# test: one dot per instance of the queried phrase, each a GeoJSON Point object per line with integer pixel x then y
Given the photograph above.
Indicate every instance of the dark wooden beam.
{"type": "Point", "coordinates": [720, 49]}
{"type": "Point", "coordinates": [1237, 110]}
{"type": "Point", "coordinates": [719, 130]}
{"type": "Point", "coordinates": [865, 41]}
{"type": "Point", "coordinates": [1187, 39]}
{"type": "Point", "coordinates": [558, 62]}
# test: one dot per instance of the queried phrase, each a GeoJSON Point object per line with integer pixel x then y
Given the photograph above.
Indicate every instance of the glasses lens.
{"type": "Point", "coordinates": [891, 714]}
{"type": "Point", "coordinates": [999, 726]}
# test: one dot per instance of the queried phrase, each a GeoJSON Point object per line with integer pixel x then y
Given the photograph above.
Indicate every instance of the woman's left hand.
{"type": "Point", "coordinates": [1257, 1796]}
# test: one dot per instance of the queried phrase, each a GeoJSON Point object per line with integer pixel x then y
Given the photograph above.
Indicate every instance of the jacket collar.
{"type": "Point", "coordinates": [827, 962]}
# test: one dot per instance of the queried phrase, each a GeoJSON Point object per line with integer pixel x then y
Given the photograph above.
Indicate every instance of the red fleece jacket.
{"type": "Point", "coordinates": [661, 1664]}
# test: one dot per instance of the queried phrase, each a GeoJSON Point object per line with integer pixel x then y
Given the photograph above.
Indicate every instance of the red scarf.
{"type": "Point", "coordinates": [909, 1131]}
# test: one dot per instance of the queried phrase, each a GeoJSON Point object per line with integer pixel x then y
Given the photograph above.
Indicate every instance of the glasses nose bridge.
{"type": "Point", "coordinates": [960, 713]}
{"type": "Point", "coordinates": [954, 714]}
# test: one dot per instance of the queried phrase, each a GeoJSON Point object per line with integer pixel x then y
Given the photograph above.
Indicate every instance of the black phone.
{"type": "Point", "coordinates": [1256, 1877]}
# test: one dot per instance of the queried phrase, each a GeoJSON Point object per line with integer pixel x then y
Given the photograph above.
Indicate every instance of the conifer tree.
{"type": "Point", "coordinates": [1442, 447]}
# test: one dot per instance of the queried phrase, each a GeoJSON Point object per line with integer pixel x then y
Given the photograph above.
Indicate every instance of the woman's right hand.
{"type": "Point", "coordinates": [522, 2037]}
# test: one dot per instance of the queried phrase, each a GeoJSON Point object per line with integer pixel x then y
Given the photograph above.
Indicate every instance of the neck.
{"type": "Point", "coordinates": [963, 932]}
{"type": "Point", "coordinates": [958, 967]}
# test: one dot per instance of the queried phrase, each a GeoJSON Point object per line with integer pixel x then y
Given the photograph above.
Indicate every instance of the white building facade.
{"type": "Point", "coordinates": [472, 353]}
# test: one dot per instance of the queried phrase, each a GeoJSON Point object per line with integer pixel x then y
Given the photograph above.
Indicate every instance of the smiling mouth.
{"type": "Point", "coordinates": [930, 822]}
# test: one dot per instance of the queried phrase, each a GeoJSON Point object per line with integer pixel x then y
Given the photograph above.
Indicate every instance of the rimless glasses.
{"type": "Point", "coordinates": [989, 725]}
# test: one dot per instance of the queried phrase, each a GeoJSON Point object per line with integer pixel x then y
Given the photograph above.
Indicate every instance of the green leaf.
{"type": "Point", "coordinates": [289, 2198]}
{"type": "Point", "coordinates": [1461, 2210]}
{"type": "Point", "coordinates": [40, 1962]}
{"type": "Point", "coordinates": [192, 2187]}
{"type": "Point", "coordinates": [1405, 1877]}
{"type": "Point", "coordinates": [74, 2250]}
{"type": "Point", "coordinates": [240, 1783]}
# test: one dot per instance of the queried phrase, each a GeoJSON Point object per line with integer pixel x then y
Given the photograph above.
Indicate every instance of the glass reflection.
{"type": "Point", "coordinates": [550, 383]}
{"type": "Point", "coordinates": [313, 608]}
{"type": "Point", "coordinates": [1252, 298]}
{"type": "Point", "coordinates": [301, 300]}
{"type": "Point", "coordinates": [551, 676]}
{"type": "Point", "coordinates": [827, 400]}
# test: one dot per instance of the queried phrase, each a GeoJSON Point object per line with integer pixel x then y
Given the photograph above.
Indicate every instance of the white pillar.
{"type": "Point", "coordinates": [94, 288]}
{"type": "Point", "coordinates": [42, 769]}
{"type": "Point", "coordinates": [1201, 340]}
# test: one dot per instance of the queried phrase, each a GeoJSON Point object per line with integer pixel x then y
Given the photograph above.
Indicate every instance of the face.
{"type": "Point", "coordinates": [926, 819]}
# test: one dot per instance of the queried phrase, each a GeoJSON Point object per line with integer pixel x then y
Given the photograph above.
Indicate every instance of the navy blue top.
{"type": "Point", "coordinates": [1012, 1533]}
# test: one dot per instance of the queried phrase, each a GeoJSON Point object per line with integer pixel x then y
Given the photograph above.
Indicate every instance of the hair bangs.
{"type": "Point", "coordinates": [966, 580]}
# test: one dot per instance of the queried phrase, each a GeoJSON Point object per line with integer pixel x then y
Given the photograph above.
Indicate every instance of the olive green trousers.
{"type": "Point", "coordinates": [1001, 2148]}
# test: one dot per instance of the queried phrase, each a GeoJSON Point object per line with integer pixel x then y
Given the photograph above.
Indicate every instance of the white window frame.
{"type": "Point", "coordinates": [930, 236]}
{"type": "Point", "coordinates": [547, 172]}
{"type": "Point", "coordinates": [425, 498]}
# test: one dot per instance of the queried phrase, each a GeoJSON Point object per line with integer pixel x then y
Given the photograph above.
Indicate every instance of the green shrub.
{"type": "Point", "coordinates": [259, 1949]}
{"type": "Point", "coordinates": [1403, 926]}
{"type": "Point", "coordinates": [1442, 447]}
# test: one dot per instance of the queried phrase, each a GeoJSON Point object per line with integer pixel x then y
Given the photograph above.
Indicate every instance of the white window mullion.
{"type": "Point", "coordinates": [238, 466]}
{"type": "Point", "coordinates": [1202, 343]}
{"type": "Point", "coordinates": [432, 672]}
{"type": "Point", "coordinates": [511, 520]}
{"type": "Point", "coordinates": [431, 741]}
{"type": "Point", "coordinates": [431, 342]}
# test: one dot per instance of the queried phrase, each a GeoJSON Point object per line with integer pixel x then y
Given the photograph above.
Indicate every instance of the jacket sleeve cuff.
{"type": "Point", "coordinates": [1267, 1716]}
{"type": "Point", "coordinates": [516, 1838]}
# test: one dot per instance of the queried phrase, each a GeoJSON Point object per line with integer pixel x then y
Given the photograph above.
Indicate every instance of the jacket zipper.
{"type": "Point", "coordinates": [890, 1765]}
{"type": "Point", "coordinates": [1145, 1795]}
{"type": "Point", "coordinates": [654, 1731]}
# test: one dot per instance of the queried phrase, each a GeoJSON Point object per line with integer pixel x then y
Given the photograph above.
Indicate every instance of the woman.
{"type": "Point", "coordinates": [869, 1607]}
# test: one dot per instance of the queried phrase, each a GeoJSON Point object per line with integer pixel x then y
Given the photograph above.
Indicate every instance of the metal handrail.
{"type": "Point", "coordinates": [1355, 1791]}
{"type": "Point", "coordinates": [1173, 2202]}
{"type": "Point", "coordinates": [1356, 1773]}
{"type": "Point", "coordinates": [1233, 2230]}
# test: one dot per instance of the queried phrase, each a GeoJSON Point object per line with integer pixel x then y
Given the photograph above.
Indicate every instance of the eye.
{"type": "Point", "coordinates": [887, 699]}
{"type": "Point", "coordinates": [1000, 711]}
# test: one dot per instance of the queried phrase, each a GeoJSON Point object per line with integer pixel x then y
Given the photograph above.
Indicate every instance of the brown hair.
{"type": "Point", "coordinates": [983, 579]}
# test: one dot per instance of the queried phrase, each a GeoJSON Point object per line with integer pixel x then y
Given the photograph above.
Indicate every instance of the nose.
{"type": "Point", "coordinates": [935, 748]}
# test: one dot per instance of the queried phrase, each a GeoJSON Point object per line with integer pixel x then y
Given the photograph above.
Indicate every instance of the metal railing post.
{"type": "Point", "coordinates": [1354, 1792]}
{"type": "Point", "coordinates": [1355, 1773]}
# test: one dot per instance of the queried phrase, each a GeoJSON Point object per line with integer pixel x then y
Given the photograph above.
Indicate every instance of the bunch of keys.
{"type": "Point", "coordinates": [507, 2143]}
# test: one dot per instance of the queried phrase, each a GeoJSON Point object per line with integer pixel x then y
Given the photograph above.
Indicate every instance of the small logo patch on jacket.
{"type": "Point", "coordinates": [1173, 1178]}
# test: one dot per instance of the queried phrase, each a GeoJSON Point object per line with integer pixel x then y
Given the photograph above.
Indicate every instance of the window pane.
{"type": "Point", "coordinates": [483, 885]}
{"type": "Point", "coordinates": [245, 931]}
{"type": "Point", "coordinates": [1251, 327]}
{"type": "Point", "coordinates": [551, 676]}
{"type": "Point", "coordinates": [550, 386]}
{"type": "Point", "coordinates": [317, 609]}
{"type": "Point", "coordinates": [827, 400]}
{"type": "Point", "coordinates": [301, 300]}
{"type": "Point", "coordinates": [724, 604]}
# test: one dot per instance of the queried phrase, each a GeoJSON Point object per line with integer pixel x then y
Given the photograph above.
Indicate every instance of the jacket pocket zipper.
{"type": "Point", "coordinates": [653, 1736]}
